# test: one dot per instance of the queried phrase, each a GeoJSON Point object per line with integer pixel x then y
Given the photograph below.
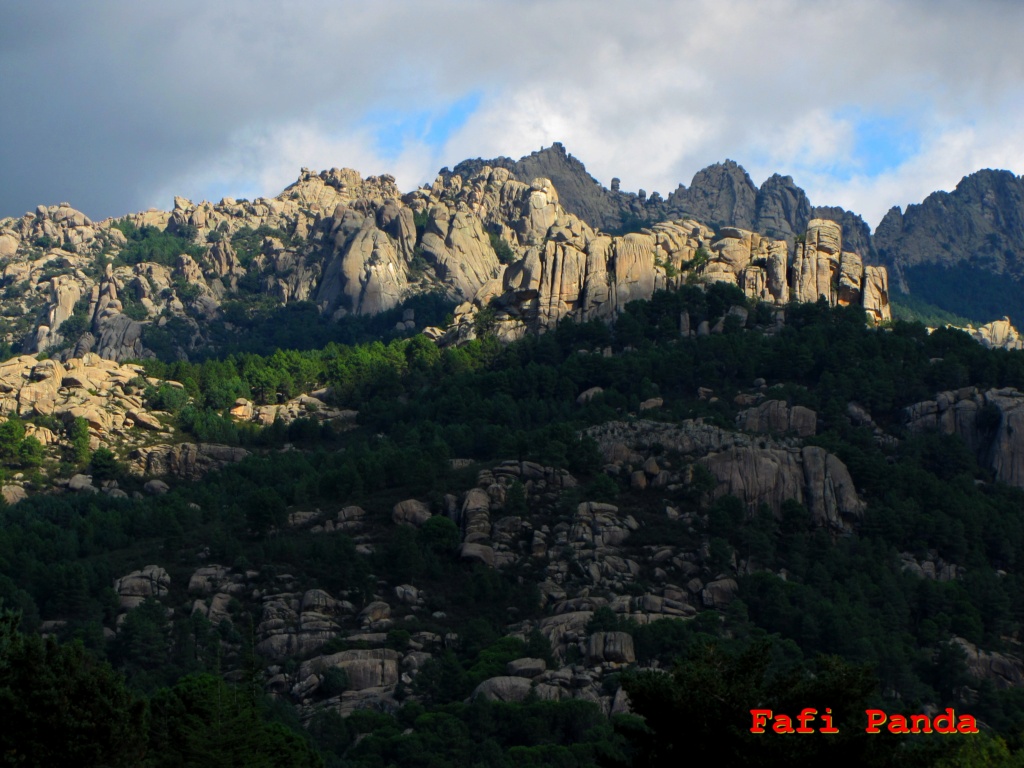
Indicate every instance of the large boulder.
{"type": "Point", "coordinates": [614, 647]}
{"type": "Point", "coordinates": [133, 589]}
{"type": "Point", "coordinates": [411, 512]}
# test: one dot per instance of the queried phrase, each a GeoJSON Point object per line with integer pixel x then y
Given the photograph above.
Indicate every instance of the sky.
{"type": "Point", "coordinates": [119, 106]}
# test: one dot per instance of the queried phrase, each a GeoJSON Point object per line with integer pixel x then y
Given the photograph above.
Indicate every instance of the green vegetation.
{"type": "Point", "coordinates": [912, 308]}
{"type": "Point", "coordinates": [846, 626]}
{"type": "Point", "coordinates": [502, 249]}
{"type": "Point", "coordinates": [248, 242]}
{"type": "Point", "coordinates": [967, 290]}
{"type": "Point", "coordinates": [152, 244]}
{"type": "Point", "coordinates": [261, 325]}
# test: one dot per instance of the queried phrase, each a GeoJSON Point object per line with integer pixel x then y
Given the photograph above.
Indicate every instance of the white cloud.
{"type": "Point", "coordinates": [125, 104]}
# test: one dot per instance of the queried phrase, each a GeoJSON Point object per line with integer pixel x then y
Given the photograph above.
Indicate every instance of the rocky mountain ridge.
{"type": "Point", "coordinates": [977, 226]}
{"type": "Point", "coordinates": [722, 194]}
{"type": "Point", "coordinates": [358, 246]}
{"type": "Point", "coordinates": [487, 230]}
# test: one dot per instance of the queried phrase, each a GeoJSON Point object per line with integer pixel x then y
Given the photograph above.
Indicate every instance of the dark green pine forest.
{"type": "Point", "coordinates": [848, 627]}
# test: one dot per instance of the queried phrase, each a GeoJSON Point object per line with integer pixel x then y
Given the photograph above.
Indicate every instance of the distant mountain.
{"type": "Point", "coordinates": [962, 250]}
{"type": "Point", "coordinates": [722, 194]}
{"type": "Point", "coordinates": [538, 237]}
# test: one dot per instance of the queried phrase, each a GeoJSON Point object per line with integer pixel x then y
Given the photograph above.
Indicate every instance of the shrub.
{"type": "Point", "coordinates": [502, 249]}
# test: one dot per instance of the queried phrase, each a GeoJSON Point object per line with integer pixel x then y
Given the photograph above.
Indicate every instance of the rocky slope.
{"type": "Point", "coordinates": [592, 558]}
{"type": "Point", "coordinates": [351, 245]}
{"type": "Point", "coordinates": [583, 562]}
{"type": "Point", "coordinates": [358, 246]}
{"type": "Point", "coordinates": [978, 226]}
{"type": "Point", "coordinates": [580, 273]}
{"type": "Point", "coordinates": [981, 221]}
{"type": "Point", "coordinates": [721, 194]}
{"type": "Point", "coordinates": [962, 250]}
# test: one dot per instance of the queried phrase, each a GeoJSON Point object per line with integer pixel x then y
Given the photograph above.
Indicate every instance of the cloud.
{"type": "Point", "coordinates": [120, 105]}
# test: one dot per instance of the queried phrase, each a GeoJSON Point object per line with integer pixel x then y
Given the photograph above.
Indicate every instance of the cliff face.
{"type": "Point", "coordinates": [574, 271]}
{"type": "Point", "coordinates": [982, 219]}
{"type": "Point", "coordinates": [721, 194]}
{"type": "Point", "coordinates": [359, 246]}
{"type": "Point", "coordinates": [991, 423]}
{"type": "Point", "coordinates": [980, 224]}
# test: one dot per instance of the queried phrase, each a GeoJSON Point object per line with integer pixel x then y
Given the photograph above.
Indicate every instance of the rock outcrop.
{"type": "Point", "coordinates": [999, 334]}
{"type": "Point", "coordinates": [133, 589]}
{"type": "Point", "coordinates": [755, 470]}
{"type": "Point", "coordinates": [359, 246]}
{"type": "Point", "coordinates": [586, 275]}
{"type": "Point", "coordinates": [981, 222]}
{"type": "Point", "coordinates": [89, 387]}
{"type": "Point", "coordinates": [811, 476]}
{"type": "Point", "coordinates": [185, 461]}
{"type": "Point", "coordinates": [991, 423]}
{"type": "Point", "coordinates": [776, 416]}
{"type": "Point", "coordinates": [721, 194]}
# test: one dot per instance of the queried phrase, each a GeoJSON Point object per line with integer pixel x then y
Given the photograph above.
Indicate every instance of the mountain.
{"type": "Point", "coordinates": [721, 194]}
{"type": "Point", "coordinates": [953, 251]}
{"type": "Point", "coordinates": [336, 246]}
{"type": "Point", "coordinates": [443, 477]}
{"type": "Point", "coordinates": [961, 250]}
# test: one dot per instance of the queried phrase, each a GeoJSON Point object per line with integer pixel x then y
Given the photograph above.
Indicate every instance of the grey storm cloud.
{"type": "Point", "coordinates": [115, 106]}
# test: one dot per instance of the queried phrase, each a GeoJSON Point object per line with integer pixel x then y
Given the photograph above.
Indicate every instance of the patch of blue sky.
{"type": "Point", "coordinates": [882, 142]}
{"type": "Point", "coordinates": [393, 131]}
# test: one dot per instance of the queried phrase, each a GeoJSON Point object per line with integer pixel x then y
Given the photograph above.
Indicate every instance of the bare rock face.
{"type": "Point", "coordinates": [120, 338]}
{"type": "Point", "coordinates": [87, 387]}
{"type": "Point", "coordinates": [475, 516]}
{"type": "Point", "coordinates": [472, 552]}
{"type": "Point", "coordinates": [783, 209]}
{"type": "Point", "coordinates": [354, 245]}
{"type": "Point", "coordinates": [756, 470]}
{"type": "Point", "coordinates": [13, 494]}
{"type": "Point", "coordinates": [999, 334]}
{"type": "Point", "coordinates": [291, 625]}
{"type": "Point", "coordinates": [133, 589]}
{"type": "Point", "coordinates": [456, 242]}
{"type": "Point", "coordinates": [983, 217]}
{"type": "Point", "coordinates": [616, 647]}
{"type": "Point", "coordinates": [576, 272]}
{"type": "Point", "coordinates": [1000, 669]}
{"type": "Point", "coordinates": [722, 193]}
{"type": "Point", "coordinates": [776, 416]}
{"type": "Point", "coordinates": [187, 461]}
{"type": "Point", "coordinates": [526, 667]}
{"type": "Point", "coordinates": [875, 293]}
{"type": "Point", "coordinates": [514, 689]}
{"type": "Point", "coordinates": [811, 476]}
{"type": "Point", "coordinates": [719, 593]}
{"type": "Point", "coordinates": [990, 423]}
{"type": "Point", "coordinates": [370, 668]}
{"type": "Point", "coordinates": [411, 512]}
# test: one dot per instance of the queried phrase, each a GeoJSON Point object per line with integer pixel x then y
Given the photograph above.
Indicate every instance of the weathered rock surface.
{"type": "Point", "coordinates": [586, 275]}
{"type": "Point", "coordinates": [778, 417]}
{"type": "Point", "coordinates": [812, 476]}
{"type": "Point", "coordinates": [187, 461]}
{"type": "Point", "coordinates": [411, 512]}
{"type": "Point", "coordinates": [1000, 669]}
{"type": "Point", "coordinates": [761, 470]}
{"type": "Point", "coordinates": [982, 221]}
{"type": "Point", "coordinates": [991, 423]}
{"type": "Point", "coordinates": [133, 589]}
{"type": "Point", "coordinates": [722, 193]}
{"type": "Point", "coordinates": [514, 689]}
